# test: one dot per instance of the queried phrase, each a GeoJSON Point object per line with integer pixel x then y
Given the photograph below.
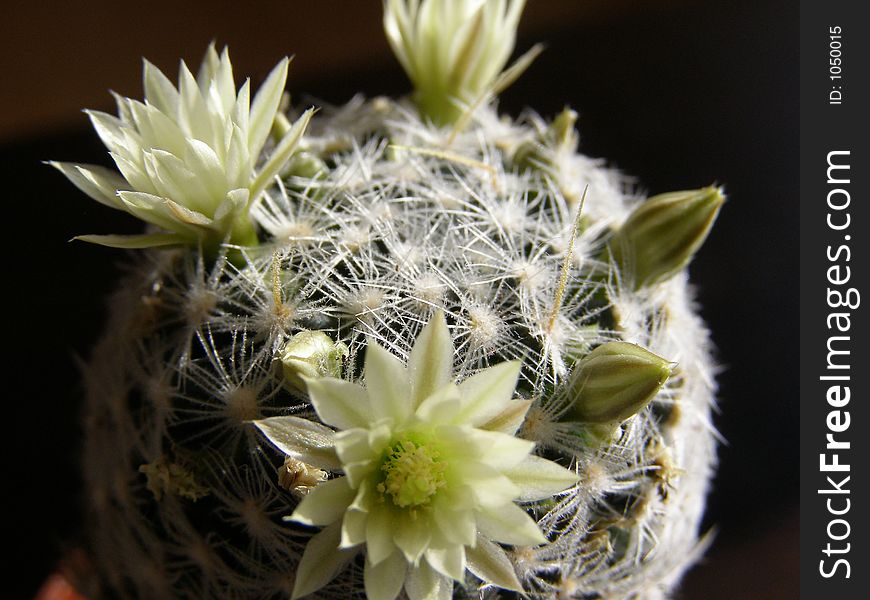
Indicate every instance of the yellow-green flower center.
{"type": "Point", "coordinates": [413, 473]}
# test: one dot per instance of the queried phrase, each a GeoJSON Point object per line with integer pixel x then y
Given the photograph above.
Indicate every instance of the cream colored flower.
{"type": "Point", "coordinates": [451, 50]}
{"type": "Point", "coordinates": [432, 471]}
{"type": "Point", "coordinates": [189, 157]}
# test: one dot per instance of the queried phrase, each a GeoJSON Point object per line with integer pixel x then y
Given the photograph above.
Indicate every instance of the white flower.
{"type": "Point", "coordinates": [188, 157]}
{"type": "Point", "coordinates": [432, 471]}
{"type": "Point", "coordinates": [452, 50]}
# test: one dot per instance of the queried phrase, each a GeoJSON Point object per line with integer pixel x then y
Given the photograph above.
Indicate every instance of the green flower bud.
{"type": "Point", "coordinates": [311, 354]}
{"type": "Point", "coordinates": [562, 132]}
{"type": "Point", "coordinates": [305, 164]}
{"type": "Point", "coordinates": [615, 381]}
{"type": "Point", "coordinates": [560, 136]}
{"type": "Point", "coordinates": [662, 235]}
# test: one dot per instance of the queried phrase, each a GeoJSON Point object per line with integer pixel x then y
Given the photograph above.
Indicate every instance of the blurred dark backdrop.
{"type": "Point", "coordinates": [681, 94]}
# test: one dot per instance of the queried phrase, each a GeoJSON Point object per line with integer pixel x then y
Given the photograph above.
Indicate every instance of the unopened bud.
{"type": "Point", "coordinates": [305, 164]}
{"type": "Point", "coordinates": [615, 381]}
{"type": "Point", "coordinates": [311, 354]}
{"type": "Point", "coordinates": [663, 234]}
{"type": "Point", "coordinates": [562, 130]}
{"type": "Point", "coordinates": [560, 136]}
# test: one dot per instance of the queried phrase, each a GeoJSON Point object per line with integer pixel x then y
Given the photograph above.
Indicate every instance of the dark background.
{"type": "Point", "coordinates": [680, 94]}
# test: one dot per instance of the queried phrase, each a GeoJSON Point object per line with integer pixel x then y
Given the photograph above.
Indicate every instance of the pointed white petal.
{"type": "Point", "coordinates": [223, 79]}
{"type": "Point", "coordinates": [265, 106]}
{"type": "Point", "coordinates": [488, 393]}
{"type": "Point", "coordinates": [111, 131]}
{"type": "Point", "coordinates": [431, 360]}
{"type": "Point", "coordinates": [239, 163]}
{"type": "Point", "coordinates": [204, 161]}
{"type": "Point", "coordinates": [490, 563]}
{"type": "Point", "coordinates": [379, 533]}
{"type": "Point", "coordinates": [384, 580]}
{"type": "Point", "coordinates": [322, 561]}
{"type": "Point", "coordinates": [353, 528]}
{"type": "Point", "coordinates": [165, 131]}
{"type": "Point", "coordinates": [134, 173]}
{"type": "Point", "coordinates": [425, 583]}
{"type": "Point", "coordinates": [539, 478]}
{"type": "Point", "coordinates": [132, 242]}
{"type": "Point", "coordinates": [325, 504]}
{"type": "Point", "coordinates": [456, 526]}
{"type": "Point", "coordinates": [449, 561]}
{"type": "Point", "coordinates": [490, 489]}
{"type": "Point", "coordinates": [491, 448]}
{"type": "Point", "coordinates": [97, 182]}
{"type": "Point", "coordinates": [233, 205]}
{"type": "Point", "coordinates": [304, 440]}
{"type": "Point", "coordinates": [339, 403]}
{"type": "Point", "coordinates": [174, 180]}
{"type": "Point", "coordinates": [353, 445]}
{"type": "Point", "coordinates": [387, 384]}
{"type": "Point", "coordinates": [208, 67]}
{"type": "Point", "coordinates": [509, 524]}
{"type": "Point", "coordinates": [440, 407]}
{"type": "Point", "coordinates": [241, 113]}
{"type": "Point", "coordinates": [152, 209]}
{"type": "Point", "coordinates": [186, 215]}
{"type": "Point", "coordinates": [192, 112]}
{"type": "Point", "coordinates": [121, 103]}
{"type": "Point", "coordinates": [159, 91]}
{"type": "Point", "coordinates": [411, 535]}
{"type": "Point", "coordinates": [510, 419]}
{"type": "Point", "coordinates": [281, 154]}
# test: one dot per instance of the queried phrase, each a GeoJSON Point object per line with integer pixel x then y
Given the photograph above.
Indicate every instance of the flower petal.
{"type": "Point", "coordinates": [539, 478]}
{"type": "Point", "coordinates": [265, 106]}
{"type": "Point", "coordinates": [425, 583]}
{"type": "Point", "coordinates": [387, 383]}
{"type": "Point", "coordinates": [322, 561]}
{"type": "Point", "coordinates": [510, 419]}
{"type": "Point", "coordinates": [339, 403]}
{"type": "Point", "coordinates": [159, 91]}
{"type": "Point", "coordinates": [129, 242]}
{"type": "Point", "coordinates": [449, 561]}
{"type": "Point", "coordinates": [281, 154]}
{"type": "Point", "coordinates": [411, 534]}
{"type": "Point", "coordinates": [379, 533]}
{"type": "Point", "coordinates": [509, 524]}
{"type": "Point", "coordinates": [325, 504]}
{"type": "Point", "coordinates": [497, 450]}
{"type": "Point", "coordinates": [489, 562]}
{"type": "Point", "coordinates": [441, 406]}
{"type": "Point", "coordinates": [488, 393]}
{"type": "Point", "coordinates": [431, 361]}
{"type": "Point", "coordinates": [97, 182]}
{"type": "Point", "coordinates": [302, 439]}
{"type": "Point", "coordinates": [457, 526]}
{"type": "Point", "coordinates": [384, 580]}
{"type": "Point", "coordinates": [353, 528]}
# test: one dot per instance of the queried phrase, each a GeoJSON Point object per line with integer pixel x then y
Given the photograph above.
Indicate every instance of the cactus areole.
{"type": "Point", "coordinates": [397, 348]}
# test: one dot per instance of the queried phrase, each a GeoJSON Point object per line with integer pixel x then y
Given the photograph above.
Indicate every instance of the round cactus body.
{"type": "Point", "coordinates": [397, 348]}
{"type": "Point", "coordinates": [187, 495]}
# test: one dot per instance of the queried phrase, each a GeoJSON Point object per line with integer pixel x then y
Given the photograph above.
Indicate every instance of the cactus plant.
{"type": "Point", "coordinates": [396, 348]}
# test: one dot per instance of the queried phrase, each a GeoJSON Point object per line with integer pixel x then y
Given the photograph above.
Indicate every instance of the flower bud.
{"type": "Point", "coordinates": [562, 132]}
{"type": "Point", "coordinates": [613, 382]}
{"type": "Point", "coordinates": [311, 354]}
{"type": "Point", "coordinates": [662, 235]}
{"type": "Point", "coordinates": [560, 136]}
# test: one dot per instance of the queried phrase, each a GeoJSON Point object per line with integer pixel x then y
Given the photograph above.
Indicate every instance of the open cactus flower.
{"type": "Point", "coordinates": [401, 348]}
{"type": "Point", "coordinates": [431, 473]}
{"type": "Point", "coordinates": [188, 156]}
